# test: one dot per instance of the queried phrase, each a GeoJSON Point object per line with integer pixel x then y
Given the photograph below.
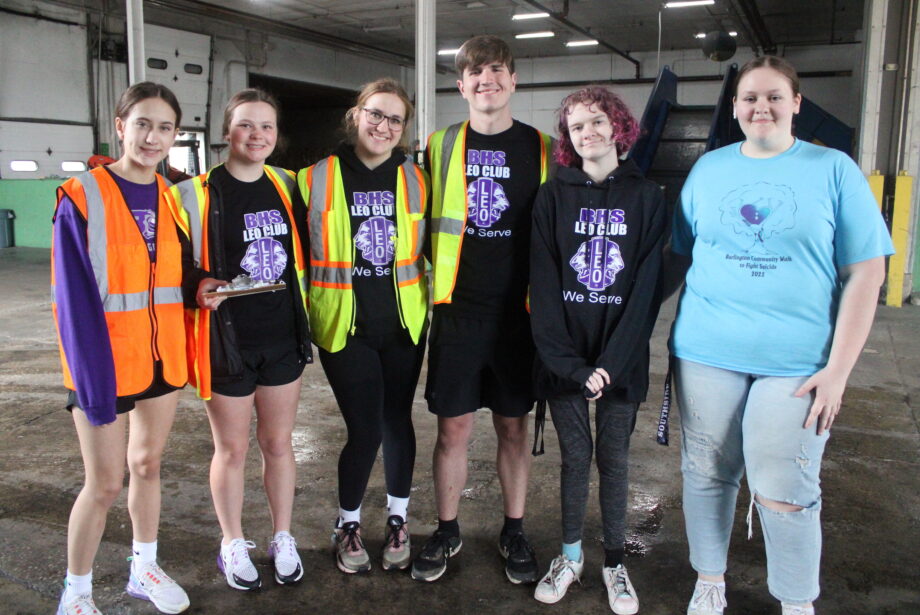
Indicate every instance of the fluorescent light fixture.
{"type": "Point", "coordinates": [584, 43]}
{"type": "Point", "coordinates": [683, 3]}
{"type": "Point", "coordinates": [733, 33]}
{"type": "Point", "coordinates": [475, 5]}
{"type": "Point", "coordinates": [73, 166]}
{"type": "Point", "coordinates": [24, 166]}
{"type": "Point", "coordinates": [543, 34]}
{"type": "Point", "coordinates": [448, 52]}
{"type": "Point", "coordinates": [520, 16]}
{"type": "Point", "coordinates": [699, 35]}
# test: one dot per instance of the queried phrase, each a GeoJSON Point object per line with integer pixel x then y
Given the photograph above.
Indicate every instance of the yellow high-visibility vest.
{"type": "Point", "coordinates": [332, 252]}
{"type": "Point", "coordinates": [449, 202]}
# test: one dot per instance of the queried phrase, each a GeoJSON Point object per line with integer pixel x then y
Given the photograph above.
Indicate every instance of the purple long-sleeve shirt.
{"type": "Point", "coordinates": [81, 320]}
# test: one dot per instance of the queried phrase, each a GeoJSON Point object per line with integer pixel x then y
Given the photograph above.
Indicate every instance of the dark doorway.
{"type": "Point", "coordinates": [311, 119]}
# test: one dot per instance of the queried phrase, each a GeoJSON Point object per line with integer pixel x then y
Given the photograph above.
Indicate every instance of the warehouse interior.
{"type": "Point", "coordinates": [63, 63]}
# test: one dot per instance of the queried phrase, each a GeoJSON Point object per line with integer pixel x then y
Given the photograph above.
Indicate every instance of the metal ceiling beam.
{"type": "Point", "coordinates": [759, 28]}
{"type": "Point", "coordinates": [262, 24]}
{"type": "Point", "coordinates": [564, 20]}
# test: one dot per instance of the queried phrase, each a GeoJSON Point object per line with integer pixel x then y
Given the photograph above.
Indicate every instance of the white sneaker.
{"type": "Point", "coordinates": [620, 593]}
{"type": "Point", "coordinates": [797, 609]}
{"type": "Point", "coordinates": [149, 582]}
{"type": "Point", "coordinates": [562, 573]}
{"type": "Point", "coordinates": [708, 599]}
{"type": "Point", "coordinates": [283, 551]}
{"type": "Point", "coordinates": [81, 604]}
{"type": "Point", "coordinates": [233, 560]}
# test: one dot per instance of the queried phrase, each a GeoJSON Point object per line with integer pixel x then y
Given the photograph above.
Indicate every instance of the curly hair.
{"type": "Point", "coordinates": [625, 126]}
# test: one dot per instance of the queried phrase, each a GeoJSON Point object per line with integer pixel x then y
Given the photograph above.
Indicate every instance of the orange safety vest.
{"type": "Point", "coordinates": [191, 199]}
{"type": "Point", "coordinates": [142, 300]}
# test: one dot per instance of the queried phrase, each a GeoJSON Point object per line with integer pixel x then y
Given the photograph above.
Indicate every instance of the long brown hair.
{"type": "Point", "coordinates": [142, 91]}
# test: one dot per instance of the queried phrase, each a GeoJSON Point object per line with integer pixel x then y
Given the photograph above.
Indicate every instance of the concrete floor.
{"type": "Point", "coordinates": [871, 501]}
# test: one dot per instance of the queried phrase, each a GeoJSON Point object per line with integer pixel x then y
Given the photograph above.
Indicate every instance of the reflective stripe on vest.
{"type": "Point", "coordinates": [332, 252]}
{"type": "Point", "coordinates": [141, 331]}
{"type": "Point", "coordinates": [97, 240]}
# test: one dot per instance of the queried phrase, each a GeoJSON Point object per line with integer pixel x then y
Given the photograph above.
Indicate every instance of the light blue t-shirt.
{"type": "Point", "coordinates": [766, 236]}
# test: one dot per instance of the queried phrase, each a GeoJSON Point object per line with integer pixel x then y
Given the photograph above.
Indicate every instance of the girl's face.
{"type": "Point", "coordinates": [592, 134]}
{"type": "Point", "coordinates": [253, 132]}
{"type": "Point", "coordinates": [765, 106]}
{"type": "Point", "coordinates": [147, 132]}
{"type": "Point", "coordinates": [376, 141]}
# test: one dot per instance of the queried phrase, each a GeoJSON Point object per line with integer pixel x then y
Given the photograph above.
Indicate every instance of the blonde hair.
{"type": "Point", "coordinates": [384, 85]}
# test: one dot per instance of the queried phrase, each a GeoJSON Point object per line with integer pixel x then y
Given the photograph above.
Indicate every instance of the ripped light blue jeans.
{"type": "Point", "coordinates": [732, 423]}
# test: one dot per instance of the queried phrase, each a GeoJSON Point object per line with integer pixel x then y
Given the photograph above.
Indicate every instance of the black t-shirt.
{"type": "Point", "coordinates": [257, 242]}
{"type": "Point", "coordinates": [503, 175]}
{"type": "Point", "coordinates": [371, 198]}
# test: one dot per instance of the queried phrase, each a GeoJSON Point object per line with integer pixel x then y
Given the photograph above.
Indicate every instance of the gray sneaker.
{"type": "Point", "coordinates": [350, 554]}
{"type": "Point", "coordinates": [708, 599]}
{"type": "Point", "coordinates": [397, 552]}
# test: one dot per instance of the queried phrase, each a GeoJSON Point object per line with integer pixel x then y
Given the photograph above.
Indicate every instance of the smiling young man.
{"type": "Point", "coordinates": [484, 173]}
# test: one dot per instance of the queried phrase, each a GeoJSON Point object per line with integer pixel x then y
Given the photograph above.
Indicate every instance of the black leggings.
{"type": "Point", "coordinates": [374, 379]}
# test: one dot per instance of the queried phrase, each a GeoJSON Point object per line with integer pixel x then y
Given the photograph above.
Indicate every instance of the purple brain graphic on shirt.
{"type": "Point", "coordinates": [146, 222]}
{"type": "Point", "coordinates": [487, 201]}
{"type": "Point", "coordinates": [597, 261]}
{"type": "Point", "coordinates": [264, 260]}
{"type": "Point", "coordinates": [376, 238]}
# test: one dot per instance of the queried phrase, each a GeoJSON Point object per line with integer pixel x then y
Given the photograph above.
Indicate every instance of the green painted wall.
{"type": "Point", "coordinates": [33, 202]}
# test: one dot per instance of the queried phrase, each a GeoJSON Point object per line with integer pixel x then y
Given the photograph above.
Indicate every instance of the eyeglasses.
{"type": "Point", "coordinates": [374, 118]}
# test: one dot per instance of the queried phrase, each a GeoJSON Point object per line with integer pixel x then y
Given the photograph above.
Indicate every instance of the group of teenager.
{"type": "Point", "coordinates": [548, 262]}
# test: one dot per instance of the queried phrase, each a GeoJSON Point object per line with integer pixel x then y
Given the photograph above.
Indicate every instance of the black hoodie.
{"type": "Point", "coordinates": [375, 292]}
{"type": "Point", "coordinates": [595, 279]}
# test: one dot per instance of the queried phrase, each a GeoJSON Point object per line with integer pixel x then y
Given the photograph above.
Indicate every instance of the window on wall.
{"type": "Point", "coordinates": [73, 166]}
{"type": "Point", "coordinates": [157, 63]}
{"type": "Point", "coordinates": [23, 166]}
{"type": "Point", "coordinates": [187, 153]}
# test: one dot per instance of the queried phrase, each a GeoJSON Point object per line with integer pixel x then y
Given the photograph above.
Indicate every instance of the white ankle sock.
{"type": "Point", "coordinates": [398, 506]}
{"type": "Point", "coordinates": [144, 552]}
{"type": "Point", "coordinates": [78, 584]}
{"type": "Point", "coordinates": [347, 516]}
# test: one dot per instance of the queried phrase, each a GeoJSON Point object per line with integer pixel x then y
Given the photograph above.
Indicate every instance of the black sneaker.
{"type": "Point", "coordinates": [520, 559]}
{"type": "Point", "coordinates": [431, 562]}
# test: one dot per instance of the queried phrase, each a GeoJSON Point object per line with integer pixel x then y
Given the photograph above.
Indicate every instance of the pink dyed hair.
{"type": "Point", "coordinates": [625, 126]}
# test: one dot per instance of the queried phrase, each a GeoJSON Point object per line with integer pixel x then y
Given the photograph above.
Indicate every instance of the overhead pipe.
{"type": "Point", "coordinates": [563, 19]}
{"type": "Point", "coordinates": [135, 27]}
{"type": "Point", "coordinates": [755, 19]}
{"type": "Point", "coordinates": [425, 59]}
{"type": "Point", "coordinates": [649, 80]}
{"type": "Point", "coordinates": [262, 24]}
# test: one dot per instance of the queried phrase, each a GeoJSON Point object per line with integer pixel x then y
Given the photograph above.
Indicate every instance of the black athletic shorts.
{"type": "Point", "coordinates": [269, 367]}
{"type": "Point", "coordinates": [126, 403]}
{"type": "Point", "coordinates": [476, 364]}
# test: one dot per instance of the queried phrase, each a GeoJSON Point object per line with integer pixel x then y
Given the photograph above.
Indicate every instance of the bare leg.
{"type": "Point", "coordinates": [103, 450]}
{"type": "Point", "coordinates": [513, 462]}
{"type": "Point", "coordinates": [276, 408]}
{"type": "Point", "coordinates": [149, 425]}
{"type": "Point", "coordinates": [450, 462]}
{"type": "Point", "coordinates": [230, 418]}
